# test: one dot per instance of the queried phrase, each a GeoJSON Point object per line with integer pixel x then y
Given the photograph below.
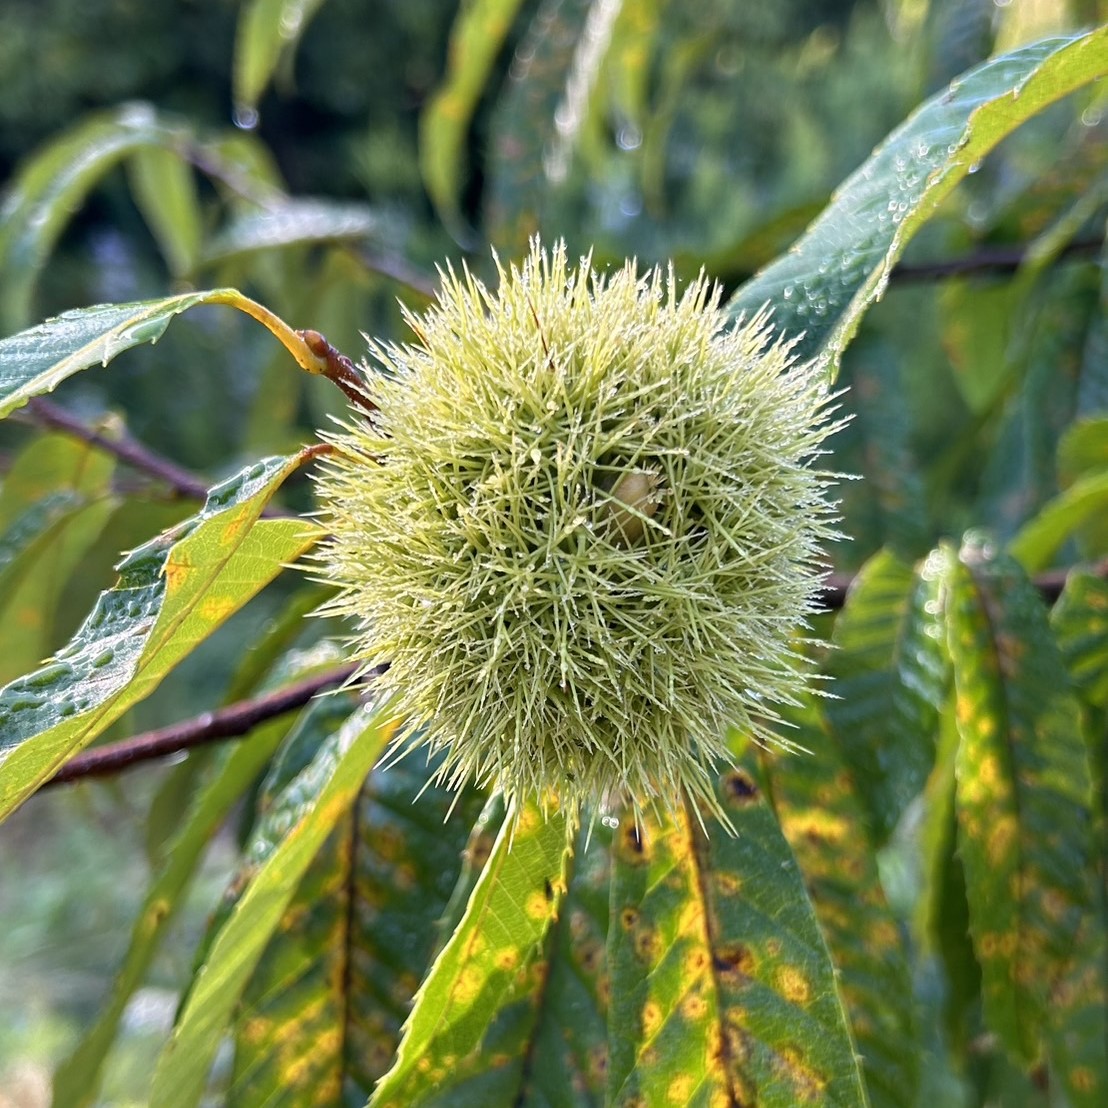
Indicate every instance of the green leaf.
{"type": "Point", "coordinates": [722, 987]}
{"type": "Point", "coordinates": [309, 809]}
{"type": "Point", "coordinates": [52, 185]}
{"type": "Point", "coordinates": [889, 672]}
{"type": "Point", "coordinates": [172, 593]}
{"type": "Point", "coordinates": [1083, 449]}
{"type": "Point", "coordinates": [324, 1008]}
{"type": "Point", "coordinates": [39, 359]}
{"type": "Point", "coordinates": [293, 222]}
{"type": "Point", "coordinates": [268, 30]}
{"type": "Point", "coordinates": [1080, 621]}
{"type": "Point", "coordinates": [479, 30]}
{"type": "Point", "coordinates": [236, 765]}
{"type": "Point", "coordinates": [1024, 821]}
{"type": "Point", "coordinates": [164, 187]}
{"type": "Point", "coordinates": [824, 285]}
{"type": "Point", "coordinates": [976, 332]}
{"type": "Point", "coordinates": [480, 969]}
{"type": "Point", "coordinates": [1039, 539]}
{"type": "Point", "coordinates": [818, 807]}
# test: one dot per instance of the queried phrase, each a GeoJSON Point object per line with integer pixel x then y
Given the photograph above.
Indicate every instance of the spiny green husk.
{"type": "Point", "coordinates": [583, 530]}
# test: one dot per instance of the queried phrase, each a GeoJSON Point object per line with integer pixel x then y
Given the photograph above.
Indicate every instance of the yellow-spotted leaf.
{"type": "Point", "coordinates": [1023, 803]}
{"type": "Point", "coordinates": [1080, 621]}
{"type": "Point", "coordinates": [722, 987]}
{"type": "Point", "coordinates": [889, 670]}
{"type": "Point", "coordinates": [483, 970]}
{"type": "Point", "coordinates": [817, 805]}
{"type": "Point", "coordinates": [822, 287]}
{"type": "Point", "coordinates": [323, 1010]}
{"type": "Point", "coordinates": [309, 807]}
{"type": "Point", "coordinates": [172, 593]}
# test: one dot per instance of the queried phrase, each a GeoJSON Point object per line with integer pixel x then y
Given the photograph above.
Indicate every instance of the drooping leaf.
{"type": "Point", "coordinates": [817, 805]}
{"type": "Point", "coordinates": [889, 672]}
{"type": "Point", "coordinates": [267, 31]}
{"type": "Point", "coordinates": [823, 286]}
{"type": "Point", "coordinates": [722, 988]}
{"type": "Point", "coordinates": [323, 1010]}
{"type": "Point", "coordinates": [293, 222]}
{"type": "Point", "coordinates": [1038, 540]}
{"type": "Point", "coordinates": [1024, 824]}
{"type": "Point", "coordinates": [172, 593]}
{"type": "Point", "coordinates": [476, 38]}
{"type": "Point", "coordinates": [39, 359]}
{"type": "Point", "coordinates": [235, 765]}
{"type": "Point", "coordinates": [51, 186]}
{"type": "Point", "coordinates": [54, 503]}
{"type": "Point", "coordinates": [305, 815]}
{"type": "Point", "coordinates": [164, 187]}
{"type": "Point", "coordinates": [481, 971]}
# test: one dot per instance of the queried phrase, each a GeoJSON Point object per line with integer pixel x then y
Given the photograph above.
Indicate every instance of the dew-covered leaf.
{"type": "Point", "coordinates": [463, 1006]}
{"type": "Point", "coordinates": [1024, 823]}
{"type": "Point", "coordinates": [172, 593]}
{"type": "Point", "coordinates": [827, 280]}
{"type": "Point", "coordinates": [51, 186]}
{"type": "Point", "coordinates": [476, 38]}
{"type": "Point", "coordinates": [889, 672]}
{"type": "Point", "coordinates": [268, 30]}
{"type": "Point", "coordinates": [818, 807]}
{"type": "Point", "coordinates": [722, 987]}
{"type": "Point", "coordinates": [292, 222]}
{"type": "Point", "coordinates": [39, 359]}
{"type": "Point", "coordinates": [301, 819]}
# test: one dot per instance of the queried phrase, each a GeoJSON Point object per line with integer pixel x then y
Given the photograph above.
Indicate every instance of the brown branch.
{"type": "Point", "coordinates": [988, 259]}
{"type": "Point", "coordinates": [224, 723]}
{"type": "Point", "coordinates": [128, 449]}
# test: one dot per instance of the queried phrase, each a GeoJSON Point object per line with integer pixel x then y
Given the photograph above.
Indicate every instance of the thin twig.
{"type": "Point", "coordinates": [225, 723]}
{"type": "Point", "coordinates": [994, 259]}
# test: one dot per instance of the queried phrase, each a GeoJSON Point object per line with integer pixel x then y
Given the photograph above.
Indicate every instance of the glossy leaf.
{"type": "Point", "coordinates": [308, 810]}
{"type": "Point", "coordinates": [1024, 824]}
{"type": "Point", "coordinates": [817, 805]}
{"type": "Point", "coordinates": [39, 359]}
{"type": "Point", "coordinates": [172, 593]}
{"type": "Point", "coordinates": [824, 285]}
{"type": "Point", "coordinates": [267, 31]}
{"type": "Point", "coordinates": [52, 185]}
{"type": "Point", "coordinates": [164, 187]}
{"type": "Point", "coordinates": [324, 1008]}
{"type": "Point", "coordinates": [722, 988]}
{"type": "Point", "coordinates": [480, 969]}
{"type": "Point", "coordinates": [293, 222]}
{"type": "Point", "coordinates": [1039, 539]}
{"type": "Point", "coordinates": [476, 38]}
{"type": "Point", "coordinates": [77, 1080]}
{"type": "Point", "coordinates": [889, 673]}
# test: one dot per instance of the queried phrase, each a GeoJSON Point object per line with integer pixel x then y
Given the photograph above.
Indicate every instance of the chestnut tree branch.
{"type": "Point", "coordinates": [224, 723]}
